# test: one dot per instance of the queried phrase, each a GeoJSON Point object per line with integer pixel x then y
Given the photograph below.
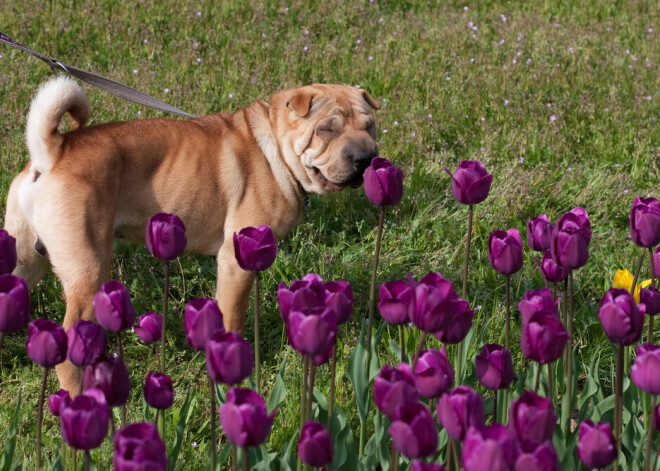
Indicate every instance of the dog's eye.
{"type": "Point", "coordinates": [329, 128]}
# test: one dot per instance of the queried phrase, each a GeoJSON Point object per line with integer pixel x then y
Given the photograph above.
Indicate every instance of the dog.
{"type": "Point", "coordinates": [85, 188]}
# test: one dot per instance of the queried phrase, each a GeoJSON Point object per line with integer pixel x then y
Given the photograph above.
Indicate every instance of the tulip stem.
{"type": "Point", "coordinates": [551, 393]}
{"type": "Point", "coordinates": [212, 450]}
{"type": "Point", "coordinates": [2, 339]}
{"type": "Point", "coordinates": [652, 265]}
{"type": "Point", "coordinates": [508, 311]}
{"type": "Point", "coordinates": [166, 269]}
{"type": "Point", "coordinates": [394, 456]}
{"type": "Point", "coordinates": [303, 399]}
{"type": "Point", "coordinates": [495, 394]}
{"type": "Point", "coordinates": [618, 415]}
{"type": "Point", "coordinates": [649, 441]}
{"type": "Point", "coordinates": [234, 458]}
{"type": "Point", "coordinates": [120, 352]}
{"type": "Point", "coordinates": [40, 415]}
{"type": "Point", "coordinates": [457, 458]}
{"type": "Point", "coordinates": [74, 458]}
{"type": "Point", "coordinates": [86, 460]}
{"type": "Point", "coordinates": [246, 459]}
{"type": "Point", "coordinates": [657, 455]}
{"type": "Point", "coordinates": [257, 356]}
{"type": "Point", "coordinates": [448, 456]}
{"type": "Point", "coordinates": [569, 356]}
{"type": "Point", "coordinates": [331, 395]}
{"type": "Point", "coordinates": [538, 378]}
{"type": "Point", "coordinates": [637, 270]}
{"type": "Point", "coordinates": [402, 340]}
{"type": "Point", "coordinates": [466, 263]}
{"type": "Point", "coordinates": [310, 399]}
{"type": "Point", "coordinates": [420, 345]}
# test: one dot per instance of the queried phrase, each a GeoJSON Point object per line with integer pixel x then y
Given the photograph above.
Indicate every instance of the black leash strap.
{"type": "Point", "coordinates": [98, 81]}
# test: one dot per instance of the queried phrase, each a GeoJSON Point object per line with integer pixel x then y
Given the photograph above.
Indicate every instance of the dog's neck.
{"type": "Point", "coordinates": [260, 125]}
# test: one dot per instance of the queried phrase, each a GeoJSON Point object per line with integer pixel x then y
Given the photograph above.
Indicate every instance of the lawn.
{"type": "Point", "coordinates": [559, 100]}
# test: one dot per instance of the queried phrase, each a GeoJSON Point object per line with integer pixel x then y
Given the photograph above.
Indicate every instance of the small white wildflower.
{"type": "Point", "coordinates": [514, 61]}
{"type": "Point", "coordinates": [650, 30]}
{"type": "Point", "coordinates": [199, 13]}
{"type": "Point", "coordinates": [229, 95]}
{"type": "Point", "coordinates": [358, 41]}
{"type": "Point", "coordinates": [193, 444]}
{"type": "Point", "coordinates": [503, 18]}
{"type": "Point", "coordinates": [384, 131]}
{"type": "Point", "coordinates": [518, 53]}
{"type": "Point", "coordinates": [166, 90]}
{"type": "Point", "coordinates": [501, 42]}
{"type": "Point", "coordinates": [570, 169]}
{"type": "Point", "coordinates": [430, 116]}
{"type": "Point", "coordinates": [305, 48]}
{"type": "Point", "coordinates": [553, 118]}
{"type": "Point", "coordinates": [199, 60]}
{"type": "Point", "coordinates": [306, 31]}
{"type": "Point", "coordinates": [549, 105]}
{"type": "Point", "coordinates": [139, 113]}
{"type": "Point", "coordinates": [474, 36]}
{"type": "Point", "coordinates": [447, 79]}
{"type": "Point", "coordinates": [483, 119]}
{"type": "Point", "coordinates": [506, 102]}
{"type": "Point", "coordinates": [465, 8]}
{"type": "Point", "coordinates": [380, 20]}
{"type": "Point", "coordinates": [370, 58]}
{"type": "Point", "coordinates": [471, 59]}
{"type": "Point", "coordinates": [521, 160]}
{"type": "Point", "coordinates": [135, 71]}
{"type": "Point", "coordinates": [357, 86]}
{"type": "Point", "coordinates": [648, 97]}
{"type": "Point", "coordinates": [617, 166]}
{"type": "Point", "coordinates": [625, 192]}
{"type": "Point", "coordinates": [528, 61]}
{"type": "Point", "coordinates": [395, 123]}
{"type": "Point", "coordinates": [412, 134]}
{"type": "Point", "coordinates": [145, 41]}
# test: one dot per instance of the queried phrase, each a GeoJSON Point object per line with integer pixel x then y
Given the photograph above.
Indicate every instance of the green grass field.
{"type": "Point", "coordinates": [559, 100]}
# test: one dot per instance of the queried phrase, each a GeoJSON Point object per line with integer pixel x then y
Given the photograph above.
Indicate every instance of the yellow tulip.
{"type": "Point", "coordinates": [624, 279]}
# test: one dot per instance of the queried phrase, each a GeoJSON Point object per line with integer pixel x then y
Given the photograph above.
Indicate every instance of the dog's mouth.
{"type": "Point", "coordinates": [354, 182]}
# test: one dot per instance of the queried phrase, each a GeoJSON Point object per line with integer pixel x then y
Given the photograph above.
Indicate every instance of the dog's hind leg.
{"type": "Point", "coordinates": [30, 265]}
{"type": "Point", "coordinates": [234, 286]}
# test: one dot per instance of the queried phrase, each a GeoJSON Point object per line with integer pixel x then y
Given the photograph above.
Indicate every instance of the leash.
{"type": "Point", "coordinates": [110, 86]}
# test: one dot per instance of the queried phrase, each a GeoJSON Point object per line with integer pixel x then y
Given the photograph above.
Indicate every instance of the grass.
{"type": "Point", "coordinates": [559, 101]}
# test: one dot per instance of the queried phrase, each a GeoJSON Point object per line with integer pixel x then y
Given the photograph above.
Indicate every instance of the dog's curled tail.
{"type": "Point", "coordinates": [57, 96]}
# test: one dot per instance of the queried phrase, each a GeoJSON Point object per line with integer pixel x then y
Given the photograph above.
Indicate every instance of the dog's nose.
{"type": "Point", "coordinates": [363, 159]}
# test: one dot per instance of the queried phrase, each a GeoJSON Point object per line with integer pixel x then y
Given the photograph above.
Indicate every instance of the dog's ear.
{"type": "Point", "coordinates": [301, 102]}
{"type": "Point", "coordinates": [370, 100]}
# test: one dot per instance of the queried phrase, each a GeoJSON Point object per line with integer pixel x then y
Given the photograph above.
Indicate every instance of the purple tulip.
{"type": "Point", "coordinates": [539, 458]}
{"type": "Point", "coordinates": [622, 318]}
{"type": "Point", "coordinates": [165, 236]}
{"type": "Point", "coordinates": [493, 448]}
{"type": "Point", "coordinates": [14, 303]}
{"type": "Point", "coordinates": [255, 248]}
{"type": "Point", "coordinates": [201, 319]}
{"type": "Point", "coordinates": [84, 423]}
{"type": "Point", "coordinates": [654, 265]}
{"type": "Point", "coordinates": [46, 343]}
{"type": "Point", "coordinates": [7, 252]}
{"type": "Point", "coordinates": [58, 401]}
{"type": "Point", "coordinates": [458, 325]}
{"type": "Point", "coordinates": [229, 358]}
{"type": "Point", "coordinates": [113, 307]}
{"type": "Point", "coordinates": [532, 418]}
{"type": "Point", "coordinates": [421, 466]}
{"type": "Point", "coordinates": [86, 342]}
{"type": "Point", "coordinates": [306, 293]}
{"type": "Point", "coordinates": [650, 297]}
{"type": "Point", "coordinates": [413, 431]}
{"type": "Point", "coordinates": [644, 221]}
{"type": "Point", "coordinates": [551, 272]}
{"type": "Point", "coordinates": [394, 387]}
{"type": "Point", "coordinates": [433, 373]}
{"type": "Point", "coordinates": [244, 418]}
{"type": "Point", "coordinates": [312, 330]}
{"type": "Point", "coordinates": [596, 447]}
{"type": "Point", "coordinates": [470, 182]}
{"type": "Point", "coordinates": [537, 300]}
{"type": "Point", "coordinates": [109, 374]}
{"type": "Point", "coordinates": [315, 447]}
{"type": "Point", "coordinates": [396, 302]}
{"type": "Point", "coordinates": [505, 251]}
{"type": "Point", "coordinates": [158, 390]}
{"type": "Point", "coordinates": [539, 233]}
{"type": "Point", "coordinates": [339, 298]}
{"type": "Point", "coordinates": [571, 238]}
{"type": "Point", "coordinates": [383, 182]}
{"type": "Point", "coordinates": [435, 303]}
{"type": "Point", "coordinates": [323, 357]}
{"type": "Point", "coordinates": [459, 410]}
{"type": "Point", "coordinates": [543, 337]}
{"type": "Point", "coordinates": [494, 366]}
{"type": "Point", "coordinates": [149, 327]}
{"type": "Point", "coordinates": [137, 447]}
{"type": "Point", "coordinates": [644, 371]}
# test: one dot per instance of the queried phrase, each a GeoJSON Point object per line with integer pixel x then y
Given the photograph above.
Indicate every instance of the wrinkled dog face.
{"type": "Point", "coordinates": [327, 134]}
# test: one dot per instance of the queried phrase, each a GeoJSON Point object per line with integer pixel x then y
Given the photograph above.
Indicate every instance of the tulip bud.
{"type": "Point", "coordinates": [138, 446]}
{"type": "Point", "coordinates": [494, 366]}
{"type": "Point", "coordinates": [339, 298]}
{"type": "Point", "coordinates": [433, 373]}
{"type": "Point", "coordinates": [492, 447]}
{"type": "Point", "coordinates": [644, 221]}
{"type": "Point", "coordinates": [622, 319]}
{"type": "Point", "coordinates": [654, 263]}
{"type": "Point", "coordinates": [109, 374]}
{"type": "Point", "coordinates": [383, 182]}
{"type": "Point", "coordinates": [551, 272]}
{"type": "Point", "coordinates": [7, 252]}
{"type": "Point", "coordinates": [394, 387]}
{"type": "Point", "coordinates": [458, 324]}
{"type": "Point", "coordinates": [435, 303]}
{"type": "Point", "coordinates": [201, 319]}
{"type": "Point", "coordinates": [532, 418]}
{"type": "Point", "coordinates": [311, 325]}
{"type": "Point", "coordinates": [149, 327]}
{"type": "Point", "coordinates": [650, 297]}
{"type": "Point", "coordinates": [596, 446]}
{"type": "Point", "coordinates": [14, 303]}
{"type": "Point", "coordinates": [166, 236]}
{"type": "Point", "coordinates": [315, 447]}
{"type": "Point", "coordinates": [84, 423]}
{"type": "Point", "coordinates": [459, 410]}
{"type": "Point", "coordinates": [86, 342]}
{"type": "Point", "coordinates": [644, 371]}
{"type": "Point", "coordinates": [46, 343]}
{"type": "Point", "coordinates": [306, 293]}
{"type": "Point", "coordinates": [396, 302]}
{"type": "Point", "coordinates": [58, 401]}
{"type": "Point", "coordinates": [255, 248]}
{"type": "Point", "coordinates": [158, 390]}
{"type": "Point", "coordinates": [229, 358]}
{"type": "Point", "coordinates": [244, 418]}
{"type": "Point", "coordinates": [541, 458]}
{"type": "Point", "coordinates": [413, 431]}
{"type": "Point", "coordinates": [470, 182]}
{"type": "Point", "coordinates": [543, 337]}
{"type": "Point", "coordinates": [539, 233]}
{"type": "Point", "coordinates": [113, 307]}
{"type": "Point", "coordinates": [505, 251]}
{"type": "Point", "coordinates": [537, 300]}
{"type": "Point", "coordinates": [571, 238]}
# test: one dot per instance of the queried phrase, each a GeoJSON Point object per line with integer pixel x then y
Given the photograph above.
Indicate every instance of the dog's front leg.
{"type": "Point", "coordinates": [233, 289]}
